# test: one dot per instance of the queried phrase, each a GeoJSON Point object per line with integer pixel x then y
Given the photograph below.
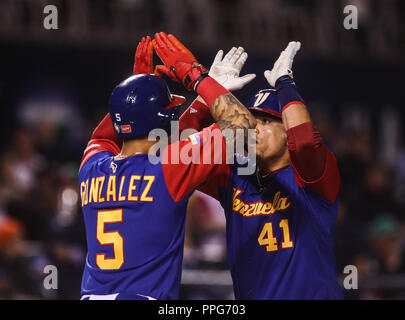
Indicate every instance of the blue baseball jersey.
{"type": "Point", "coordinates": [280, 233]}
{"type": "Point", "coordinates": [134, 213]}
{"type": "Point", "coordinates": [280, 230]}
{"type": "Point", "coordinates": [135, 230]}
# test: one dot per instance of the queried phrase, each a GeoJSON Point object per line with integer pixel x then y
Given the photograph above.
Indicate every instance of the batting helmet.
{"type": "Point", "coordinates": [141, 103]}
{"type": "Point", "coordinates": [265, 102]}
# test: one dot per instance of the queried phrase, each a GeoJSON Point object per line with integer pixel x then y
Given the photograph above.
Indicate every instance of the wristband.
{"type": "Point", "coordinates": [197, 82]}
{"type": "Point", "coordinates": [209, 90]}
{"type": "Point", "coordinates": [287, 92]}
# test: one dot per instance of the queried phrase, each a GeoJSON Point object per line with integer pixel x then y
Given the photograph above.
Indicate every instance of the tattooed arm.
{"type": "Point", "coordinates": [181, 65]}
{"type": "Point", "coordinates": [232, 116]}
{"type": "Point", "coordinates": [237, 125]}
{"type": "Point", "coordinates": [229, 113]}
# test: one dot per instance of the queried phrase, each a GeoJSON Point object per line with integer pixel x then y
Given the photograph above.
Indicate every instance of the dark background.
{"type": "Point", "coordinates": [54, 89]}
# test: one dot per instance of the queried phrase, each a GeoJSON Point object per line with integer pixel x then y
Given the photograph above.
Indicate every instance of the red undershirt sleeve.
{"type": "Point", "coordinates": [314, 164]}
{"type": "Point", "coordinates": [187, 164]}
{"type": "Point", "coordinates": [197, 116]}
{"type": "Point", "coordinates": [102, 139]}
{"type": "Point", "coordinates": [217, 180]}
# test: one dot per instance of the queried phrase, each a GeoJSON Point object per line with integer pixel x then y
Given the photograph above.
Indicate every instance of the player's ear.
{"type": "Point", "coordinates": [285, 137]}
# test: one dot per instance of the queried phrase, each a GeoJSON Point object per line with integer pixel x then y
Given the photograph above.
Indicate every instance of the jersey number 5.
{"type": "Point", "coordinates": [266, 237]}
{"type": "Point", "coordinates": [110, 238]}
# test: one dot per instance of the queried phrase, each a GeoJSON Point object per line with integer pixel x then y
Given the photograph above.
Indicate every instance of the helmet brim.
{"type": "Point", "coordinates": [264, 112]}
{"type": "Point", "coordinates": [176, 101]}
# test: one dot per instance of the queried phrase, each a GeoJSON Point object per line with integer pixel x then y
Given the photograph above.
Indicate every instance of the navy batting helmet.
{"type": "Point", "coordinates": [141, 103]}
{"type": "Point", "coordinates": [265, 102]}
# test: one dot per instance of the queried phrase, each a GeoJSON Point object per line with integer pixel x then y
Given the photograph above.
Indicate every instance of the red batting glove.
{"type": "Point", "coordinates": [162, 69]}
{"type": "Point", "coordinates": [180, 63]}
{"type": "Point", "coordinates": [144, 57]}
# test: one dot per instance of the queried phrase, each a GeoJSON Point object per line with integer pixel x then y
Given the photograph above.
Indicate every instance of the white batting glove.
{"type": "Point", "coordinates": [226, 71]}
{"type": "Point", "coordinates": [283, 64]}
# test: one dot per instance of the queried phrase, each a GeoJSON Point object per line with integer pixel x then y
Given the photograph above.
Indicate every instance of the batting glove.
{"type": "Point", "coordinates": [143, 57]}
{"type": "Point", "coordinates": [160, 70]}
{"type": "Point", "coordinates": [283, 64]}
{"type": "Point", "coordinates": [226, 71]}
{"type": "Point", "coordinates": [180, 63]}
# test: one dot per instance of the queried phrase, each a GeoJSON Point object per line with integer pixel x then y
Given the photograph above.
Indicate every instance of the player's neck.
{"type": "Point", "coordinates": [270, 165]}
{"type": "Point", "coordinates": [135, 146]}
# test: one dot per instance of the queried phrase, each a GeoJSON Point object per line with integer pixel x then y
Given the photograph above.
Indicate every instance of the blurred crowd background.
{"type": "Point", "coordinates": [54, 88]}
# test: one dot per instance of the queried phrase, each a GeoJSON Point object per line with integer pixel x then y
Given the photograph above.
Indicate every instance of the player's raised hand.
{"type": "Point", "coordinates": [180, 64]}
{"type": "Point", "coordinates": [226, 70]}
{"type": "Point", "coordinates": [283, 64]}
{"type": "Point", "coordinates": [162, 69]}
{"type": "Point", "coordinates": [144, 57]}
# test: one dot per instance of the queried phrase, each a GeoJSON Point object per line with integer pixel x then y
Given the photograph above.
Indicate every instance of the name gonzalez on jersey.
{"type": "Point", "coordinates": [92, 191]}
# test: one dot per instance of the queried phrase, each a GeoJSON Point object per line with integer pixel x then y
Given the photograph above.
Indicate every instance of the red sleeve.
{"type": "Point", "coordinates": [218, 179]}
{"type": "Point", "coordinates": [197, 116]}
{"type": "Point", "coordinates": [314, 164]}
{"type": "Point", "coordinates": [187, 164]}
{"type": "Point", "coordinates": [102, 139]}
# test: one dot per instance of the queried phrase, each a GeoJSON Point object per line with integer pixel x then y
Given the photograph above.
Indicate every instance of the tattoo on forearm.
{"type": "Point", "coordinates": [233, 119]}
{"type": "Point", "coordinates": [228, 112]}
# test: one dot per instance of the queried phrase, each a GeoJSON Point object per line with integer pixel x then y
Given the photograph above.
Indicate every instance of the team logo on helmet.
{"type": "Point", "coordinates": [265, 102]}
{"type": "Point", "coordinates": [260, 98]}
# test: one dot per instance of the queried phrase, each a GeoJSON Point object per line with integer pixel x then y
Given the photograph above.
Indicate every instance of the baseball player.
{"type": "Point", "coordinates": [134, 210]}
{"type": "Point", "coordinates": [280, 220]}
